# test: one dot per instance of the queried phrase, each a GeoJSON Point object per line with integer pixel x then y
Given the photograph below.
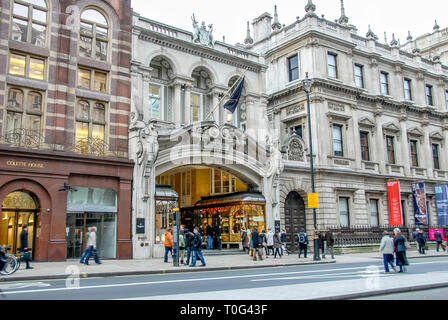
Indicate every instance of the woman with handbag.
{"type": "Point", "coordinates": [24, 254]}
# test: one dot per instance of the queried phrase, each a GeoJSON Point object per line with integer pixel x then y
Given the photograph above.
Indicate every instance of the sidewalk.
{"type": "Point", "coordinates": [110, 268]}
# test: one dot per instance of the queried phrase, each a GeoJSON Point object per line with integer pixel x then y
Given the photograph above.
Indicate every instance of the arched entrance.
{"type": "Point", "coordinates": [19, 208]}
{"type": "Point", "coordinates": [295, 218]}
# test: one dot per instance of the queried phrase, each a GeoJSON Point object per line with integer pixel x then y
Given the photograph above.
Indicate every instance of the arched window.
{"type": "Point", "coordinates": [29, 22]}
{"type": "Point", "coordinates": [160, 92]}
{"type": "Point", "coordinates": [94, 35]}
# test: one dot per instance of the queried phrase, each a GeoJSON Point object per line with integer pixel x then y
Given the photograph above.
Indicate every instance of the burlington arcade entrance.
{"type": "Point", "coordinates": [216, 202]}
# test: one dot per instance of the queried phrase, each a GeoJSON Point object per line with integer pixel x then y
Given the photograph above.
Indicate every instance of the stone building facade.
{"type": "Point", "coordinates": [65, 94]}
{"type": "Point", "coordinates": [378, 113]}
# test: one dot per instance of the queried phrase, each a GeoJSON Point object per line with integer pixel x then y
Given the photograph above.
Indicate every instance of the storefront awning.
{"type": "Point", "coordinates": [239, 197]}
{"type": "Point", "coordinates": [165, 192]}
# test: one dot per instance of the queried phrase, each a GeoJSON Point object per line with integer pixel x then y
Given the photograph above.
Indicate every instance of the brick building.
{"type": "Point", "coordinates": [65, 95]}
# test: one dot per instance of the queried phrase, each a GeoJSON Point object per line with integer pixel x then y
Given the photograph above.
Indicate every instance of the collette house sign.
{"type": "Point", "coordinates": [24, 164]}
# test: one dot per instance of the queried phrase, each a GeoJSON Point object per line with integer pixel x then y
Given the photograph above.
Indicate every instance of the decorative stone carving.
{"type": "Point", "coordinates": [295, 109]}
{"type": "Point", "coordinates": [336, 107]}
{"type": "Point", "coordinates": [295, 148]}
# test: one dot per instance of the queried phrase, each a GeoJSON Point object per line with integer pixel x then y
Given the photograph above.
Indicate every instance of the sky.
{"type": "Point", "coordinates": [229, 17]}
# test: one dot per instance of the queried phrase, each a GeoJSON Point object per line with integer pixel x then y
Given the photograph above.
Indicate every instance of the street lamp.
{"type": "Point", "coordinates": [307, 86]}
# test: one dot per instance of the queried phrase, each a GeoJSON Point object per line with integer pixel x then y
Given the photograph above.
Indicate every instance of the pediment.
{"type": "Point", "coordinates": [392, 127]}
{"type": "Point", "coordinates": [366, 122]}
{"type": "Point", "coordinates": [416, 132]}
{"type": "Point", "coordinates": [436, 136]}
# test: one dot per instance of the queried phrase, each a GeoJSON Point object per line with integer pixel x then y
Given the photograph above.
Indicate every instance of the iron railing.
{"type": "Point", "coordinates": [368, 235]}
{"type": "Point", "coordinates": [33, 139]}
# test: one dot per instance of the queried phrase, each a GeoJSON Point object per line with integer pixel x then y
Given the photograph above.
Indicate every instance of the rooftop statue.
{"type": "Point", "coordinates": [201, 34]}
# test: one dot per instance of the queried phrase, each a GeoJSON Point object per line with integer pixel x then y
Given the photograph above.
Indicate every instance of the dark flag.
{"type": "Point", "coordinates": [234, 100]}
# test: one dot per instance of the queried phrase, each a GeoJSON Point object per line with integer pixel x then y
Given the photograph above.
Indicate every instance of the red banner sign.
{"type": "Point", "coordinates": [393, 193]}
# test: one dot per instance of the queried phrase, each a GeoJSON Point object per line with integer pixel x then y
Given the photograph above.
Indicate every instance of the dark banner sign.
{"type": "Point", "coordinates": [420, 209]}
{"type": "Point", "coordinates": [442, 203]}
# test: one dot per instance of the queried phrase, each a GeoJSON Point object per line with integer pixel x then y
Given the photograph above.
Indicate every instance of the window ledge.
{"type": "Point", "coordinates": [29, 48]}
{"type": "Point", "coordinates": [93, 95]}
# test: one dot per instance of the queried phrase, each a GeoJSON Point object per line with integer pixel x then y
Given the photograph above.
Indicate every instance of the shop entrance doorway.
{"type": "Point", "coordinates": [295, 218]}
{"type": "Point", "coordinates": [19, 208]}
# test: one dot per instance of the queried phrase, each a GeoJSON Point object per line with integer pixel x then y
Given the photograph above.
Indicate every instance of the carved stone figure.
{"type": "Point", "coordinates": [201, 34]}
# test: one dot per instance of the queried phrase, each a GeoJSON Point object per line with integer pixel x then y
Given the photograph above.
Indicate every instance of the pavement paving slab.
{"type": "Point", "coordinates": [109, 268]}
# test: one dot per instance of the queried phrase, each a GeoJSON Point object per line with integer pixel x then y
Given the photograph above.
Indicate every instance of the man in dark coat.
{"type": "Point", "coordinates": [197, 248]}
{"type": "Point", "coordinates": [439, 240]}
{"type": "Point", "coordinates": [24, 246]}
{"type": "Point", "coordinates": [421, 240]}
{"type": "Point", "coordinates": [257, 246]}
{"type": "Point", "coordinates": [330, 243]}
{"type": "Point", "coordinates": [188, 245]}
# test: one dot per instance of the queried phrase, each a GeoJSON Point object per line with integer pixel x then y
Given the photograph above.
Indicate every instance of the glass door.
{"type": "Point", "coordinates": [75, 235]}
{"type": "Point", "coordinates": [11, 228]}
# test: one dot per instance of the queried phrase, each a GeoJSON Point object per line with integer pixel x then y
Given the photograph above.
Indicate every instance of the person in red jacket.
{"type": "Point", "coordinates": [168, 243]}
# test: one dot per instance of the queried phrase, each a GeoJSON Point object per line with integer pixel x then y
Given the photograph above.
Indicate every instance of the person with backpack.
{"type": "Point", "coordinates": [302, 240]}
{"type": "Point", "coordinates": [181, 244]}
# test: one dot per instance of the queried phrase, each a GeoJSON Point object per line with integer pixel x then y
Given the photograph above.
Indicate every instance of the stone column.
{"type": "Point", "coordinates": [380, 156]}
{"type": "Point", "coordinates": [427, 151]}
{"type": "Point", "coordinates": [177, 105]}
{"type": "Point", "coordinates": [357, 140]}
{"type": "Point", "coordinates": [443, 149]}
{"type": "Point", "coordinates": [405, 146]}
{"type": "Point", "coordinates": [187, 107]}
{"type": "Point", "coordinates": [216, 113]}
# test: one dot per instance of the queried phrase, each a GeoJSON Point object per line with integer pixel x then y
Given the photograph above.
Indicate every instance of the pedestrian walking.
{"type": "Point", "coordinates": [87, 249]}
{"type": "Point", "coordinates": [257, 246]}
{"type": "Point", "coordinates": [168, 244]}
{"type": "Point", "coordinates": [387, 249]}
{"type": "Point", "coordinates": [188, 244]}
{"type": "Point", "coordinates": [277, 245]}
{"type": "Point", "coordinates": [263, 242]}
{"type": "Point", "coordinates": [24, 250]}
{"type": "Point", "coordinates": [283, 241]}
{"type": "Point", "coordinates": [302, 240]}
{"type": "Point", "coordinates": [181, 244]}
{"type": "Point", "coordinates": [91, 243]}
{"type": "Point", "coordinates": [197, 248]}
{"type": "Point", "coordinates": [320, 241]}
{"type": "Point", "coordinates": [329, 239]}
{"type": "Point", "coordinates": [400, 250]}
{"type": "Point", "coordinates": [439, 241]}
{"type": "Point", "coordinates": [414, 235]}
{"type": "Point", "coordinates": [245, 239]}
{"type": "Point", "coordinates": [445, 244]}
{"type": "Point", "coordinates": [209, 233]}
{"type": "Point", "coordinates": [421, 241]}
{"type": "Point", "coordinates": [269, 242]}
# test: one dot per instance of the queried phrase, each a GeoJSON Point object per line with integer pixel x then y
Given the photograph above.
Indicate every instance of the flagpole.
{"type": "Point", "coordinates": [230, 90]}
